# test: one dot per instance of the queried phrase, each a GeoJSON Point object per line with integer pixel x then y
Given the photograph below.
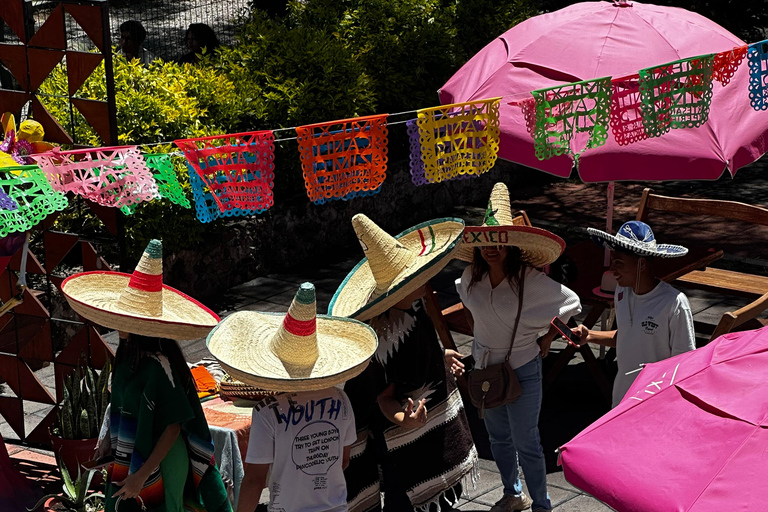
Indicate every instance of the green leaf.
{"type": "Point", "coordinates": [43, 500]}
{"type": "Point", "coordinates": [69, 487]}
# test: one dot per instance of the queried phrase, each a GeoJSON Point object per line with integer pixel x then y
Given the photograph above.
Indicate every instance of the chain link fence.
{"type": "Point", "coordinates": [165, 21]}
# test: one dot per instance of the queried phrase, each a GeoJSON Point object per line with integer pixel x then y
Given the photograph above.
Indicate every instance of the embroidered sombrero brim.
{"type": "Point", "coordinates": [434, 244]}
{"type": "Point", "coordinates": [621, 243]}
{"type": "Point", "coordinates": [539, 247]}
{"type": "Point", "coordinates": [94, 296]}
{"type": "Point", "coordinates": [242, 344]}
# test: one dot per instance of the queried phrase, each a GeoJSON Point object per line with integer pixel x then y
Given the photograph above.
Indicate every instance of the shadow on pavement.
{"type": "Point", "coordinates": [569, 406]}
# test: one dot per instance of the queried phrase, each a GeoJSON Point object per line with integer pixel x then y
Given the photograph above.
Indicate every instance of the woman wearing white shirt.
{"type": "Point", "coordinates": [489, 289]}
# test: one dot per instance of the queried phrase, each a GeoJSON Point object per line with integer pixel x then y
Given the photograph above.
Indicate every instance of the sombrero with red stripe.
{"type": "Point", "coordinates": [139, 303]}
{"type": "Point", "coordinates": [394, 267]}
{"type": "Point", "coordinates": [296, 351]}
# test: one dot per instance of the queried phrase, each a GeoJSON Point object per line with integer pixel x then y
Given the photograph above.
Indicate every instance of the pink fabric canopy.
{"type": "Point", "coordinates": [691, 434]}
{"type": "Point", "coordinates": [596, 39]}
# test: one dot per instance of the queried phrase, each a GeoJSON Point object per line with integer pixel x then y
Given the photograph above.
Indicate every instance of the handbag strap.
{"type": "Point", "coordinates": [521, 290]}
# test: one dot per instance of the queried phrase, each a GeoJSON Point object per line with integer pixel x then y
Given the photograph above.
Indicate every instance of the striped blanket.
{"type": "Point", "coordinates": [424, 467]}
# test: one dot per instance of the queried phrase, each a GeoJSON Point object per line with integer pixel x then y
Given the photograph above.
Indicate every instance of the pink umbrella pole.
{"type": "Point", "coordinates": [609, 221]}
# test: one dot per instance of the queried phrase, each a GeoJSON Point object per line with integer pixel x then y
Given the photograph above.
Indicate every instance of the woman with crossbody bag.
{"type": "Point", "coordinates": [510, 305]}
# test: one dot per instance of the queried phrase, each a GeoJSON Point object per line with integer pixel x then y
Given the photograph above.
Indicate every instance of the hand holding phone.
{"type": "Point", "coordinates": [566, 332]}
{"type": "Point", "coordinates": [101, 463]}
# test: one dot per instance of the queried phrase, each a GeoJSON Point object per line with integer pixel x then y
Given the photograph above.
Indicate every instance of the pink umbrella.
{"type": "Point", "coordinates": [597, 39]}
{"type": "Point", "coordinates": [691, 434]}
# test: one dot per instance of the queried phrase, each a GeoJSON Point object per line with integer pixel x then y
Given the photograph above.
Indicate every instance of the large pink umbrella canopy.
{"type": "Point", "coordinates": [596, 39]}
{"type": "Point", "coordinates": [690, 435]}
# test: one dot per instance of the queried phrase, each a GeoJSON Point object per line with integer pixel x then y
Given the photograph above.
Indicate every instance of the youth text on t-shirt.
{"type": "Point", "coordinates": [303, 436]}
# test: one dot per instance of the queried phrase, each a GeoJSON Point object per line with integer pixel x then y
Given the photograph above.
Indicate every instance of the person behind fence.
{"type": "Point", "coordinates": [302, 431]}
{"type": "Point", "coordinates": [132, 36]}
{"type": "Point", "coordinates": [409, 412]}
{"type": "Point", "coordinates": [653, 319]}
{"type": "Point", "coordinates": [200, 39]}
{"type": "Point", "coordinates": [156, 429]}
{"type": "Point", "coordinates": [510, 304]}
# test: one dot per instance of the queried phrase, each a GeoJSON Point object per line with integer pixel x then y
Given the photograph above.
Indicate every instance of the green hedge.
{"type": "Point", "coordinates": [159, 103]}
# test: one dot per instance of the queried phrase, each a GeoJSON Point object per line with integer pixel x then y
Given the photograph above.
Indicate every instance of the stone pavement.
{"type": "Point", "coordinates": [565, 207]}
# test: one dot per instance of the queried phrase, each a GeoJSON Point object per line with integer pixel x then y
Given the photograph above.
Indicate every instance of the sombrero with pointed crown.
{"type": "Point", "coordinates": [294, 351]}
{"type": "Point", "coordinates": [539, 247]}
{"type": "Point", "coordinates": [395, 266]}
{"type": "Point", "coordinates": [139, 303]}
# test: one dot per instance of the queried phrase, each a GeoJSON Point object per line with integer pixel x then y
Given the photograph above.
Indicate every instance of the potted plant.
{"type": "Point", "coordinates": [75, 496]}
{"type": "Point", "coordinates": [80, 415]}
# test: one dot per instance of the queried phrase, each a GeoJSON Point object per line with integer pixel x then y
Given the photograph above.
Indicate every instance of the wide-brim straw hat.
{"type": "Point", "coordinates": [637, 238]}
{"type": "Point", "coordinates": [394, 267]}
{"type": "Point", "coordinates": [139, 303]}
{"type": "Point", "coordinates": [538, 246]}
{"type": "Point", "coordinates": [294, 351]}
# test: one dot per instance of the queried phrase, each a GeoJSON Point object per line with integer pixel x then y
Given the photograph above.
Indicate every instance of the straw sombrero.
{"type": "Point", "coordinates": [539, 247]}
{"type": "Point", "coordinates": [637, 238]}
{"type": "Point", "coordinates": [296, 351]}
{"type": "Point", "coordinates": [394, 267]}
{"type": "Point", "coordinates": [139, 303]}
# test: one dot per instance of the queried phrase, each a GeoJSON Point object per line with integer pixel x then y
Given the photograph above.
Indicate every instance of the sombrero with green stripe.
{"type": "Point", "coordinates": [538, 246]}
{"type": "Point", "coordinates": [295, 351]}
{"type": "Point", "coordinates": [139, 303]}
{"type": "Point", "coordinates": [394, 267]}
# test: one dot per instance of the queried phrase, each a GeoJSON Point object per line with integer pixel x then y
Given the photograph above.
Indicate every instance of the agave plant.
{"type": "Point", "coordinates": [75, 496]}
{"type": "Point", "coordinates": [86, 397]}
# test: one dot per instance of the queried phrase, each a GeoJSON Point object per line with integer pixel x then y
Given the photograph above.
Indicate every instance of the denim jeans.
{"type": "Point", "coordinates": [514, 433]}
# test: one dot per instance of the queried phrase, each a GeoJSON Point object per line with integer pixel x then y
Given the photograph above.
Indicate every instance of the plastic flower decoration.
{"type": "Point", "coordinates": [17, 146]}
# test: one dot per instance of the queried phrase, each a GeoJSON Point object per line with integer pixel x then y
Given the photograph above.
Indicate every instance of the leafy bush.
{"type": "Point", "coordinates": [162, 102]}
{"type": "Point", "coordinates": [289, 73]}
{"type": "Point", "coordinates": [159, 103]}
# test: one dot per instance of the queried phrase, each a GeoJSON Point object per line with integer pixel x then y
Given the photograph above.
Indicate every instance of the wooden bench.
{"type": "Point", "coordinates": [718, 280]}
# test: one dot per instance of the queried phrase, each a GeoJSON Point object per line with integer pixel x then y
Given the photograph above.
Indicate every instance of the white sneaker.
{"type": "Point", "coordinates": [510, 503]}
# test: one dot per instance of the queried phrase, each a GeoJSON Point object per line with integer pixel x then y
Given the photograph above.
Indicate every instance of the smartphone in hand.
{"type": "Point", "coordinates": [566, 332]}
{"type": "Point", "coordinates": [98, 464]}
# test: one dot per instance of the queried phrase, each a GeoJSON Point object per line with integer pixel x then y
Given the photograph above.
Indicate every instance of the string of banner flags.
{"type": "Point", "coordinates": [233, 174]}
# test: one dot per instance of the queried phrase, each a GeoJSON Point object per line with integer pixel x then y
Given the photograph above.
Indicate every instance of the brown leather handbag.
{"type": "Point", "coordinates": [497, 385]}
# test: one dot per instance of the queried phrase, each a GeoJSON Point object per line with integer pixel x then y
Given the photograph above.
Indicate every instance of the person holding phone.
{"type": "Point", "coordinates": [653, 319]}
{"type": "Point", "coordinates": [504, 259]}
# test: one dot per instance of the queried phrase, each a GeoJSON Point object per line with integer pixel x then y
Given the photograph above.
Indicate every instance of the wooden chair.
{"type": "Point", "coordinates": [723, 281]}
{"type": "Point", "coordinates": [745, 318]}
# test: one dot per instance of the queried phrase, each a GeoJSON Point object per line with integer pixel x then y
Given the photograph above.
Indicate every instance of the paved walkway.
{"type": "Point", "coordinates": [574, 402]}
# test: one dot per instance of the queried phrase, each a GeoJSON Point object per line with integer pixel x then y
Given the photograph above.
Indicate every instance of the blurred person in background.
{"type": "Point", "coordinates": [132, 36]}
{"type": "Point", "coordinates": [200, 40]}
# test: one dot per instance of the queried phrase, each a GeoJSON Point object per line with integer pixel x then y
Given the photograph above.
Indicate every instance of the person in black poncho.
{"type": "Point", "coordinates": [409, 414]}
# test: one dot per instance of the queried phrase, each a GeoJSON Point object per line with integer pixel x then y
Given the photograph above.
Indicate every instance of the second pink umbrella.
{"type": "Point", "coordinates": [691, 434]}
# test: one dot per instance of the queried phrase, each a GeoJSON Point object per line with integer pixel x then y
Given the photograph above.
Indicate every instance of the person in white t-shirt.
{"type": "Point", "coordinates": [653, 319]}
{"type": "Point", "coordinates": [304, 438]}
{"type": "Point", "coordinates": [301, 436]}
